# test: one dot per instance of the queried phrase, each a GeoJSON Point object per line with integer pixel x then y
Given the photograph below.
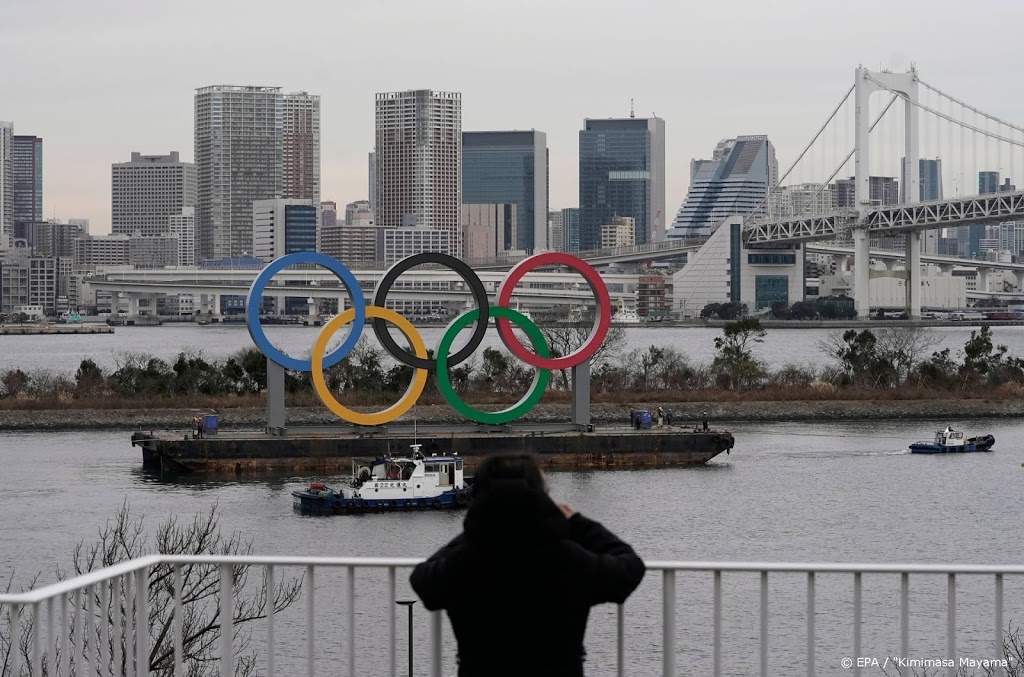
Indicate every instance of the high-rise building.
{"type": "Point", "coordinates": [154, 251]}
{"type": "Point", "coordinates": [55, 239]}
{"type": "Point", "coordinates": [283, 227]}
{"type": "Point", "coordinates": [353, 244]}
{"type": "Point", "coordinates": [970, 237]}
{"type": "Point", "coordinates": [571, 229]}
{"type": "Point", "coordinates": [930, 182]}
{"type": "Point", "coordinates": [803, 199]}
{"type": "Point", "coordinates": [622, 173]}
{"type": "Point", "coordinates": [147, 189]}
{"type": "Point", "coordinates": [621, 232]}
{"type": "Point", "coordinates": [301, 147]}
{"type": "Point", "coordinates": [556, 231]}
{"type": "Point", "coordinates": [988, 182]}
{"type": "Point", "coordinates": [183, 227]}
{"type": "Point", "coordinates": [6, 203]}
{"type": "Point", "coordinates": [734, 181]}
{"type": "Point", "coordinates": [1012, 237]}
{"type": "Point", "coordinates": [328, 214]}
{"type": "Point", "coordinates": [372, 180]}
{"type": "Point", "coordinates": [419, 159]}
{"type": "Point", "coordinates": [26, 179]}
{"type": "Point", "coordinates": [488, 229]}
{"type": "Point", "coordinates": [359, 213]}
{"type": "Point", "coordinates": [14, 285]}
{"type": "Point", "coordinates": [102, 250]}
{"type": "Point", "coordinates": [30, 282]}
{"type": "Point", "coordinates": [883, 190]}
{"type": "Point", "coordinates": [399, 243]}
{"type": "Point", "coordinates": [510, 168]}
{"type": "Point", "coordinates": [238, 156]}
{"type": "Point", "coordinates": [84, 223]}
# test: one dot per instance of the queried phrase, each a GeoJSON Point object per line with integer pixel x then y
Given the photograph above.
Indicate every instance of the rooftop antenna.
{"type": "Point", "coordinates": [632, 113]}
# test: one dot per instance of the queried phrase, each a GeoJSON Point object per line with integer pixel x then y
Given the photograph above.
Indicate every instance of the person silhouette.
{"type": "Point", "coordinates": [519, 582]}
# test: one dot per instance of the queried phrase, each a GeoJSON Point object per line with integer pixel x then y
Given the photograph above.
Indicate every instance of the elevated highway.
{"type": "Point", "coordinates": [945, 263]}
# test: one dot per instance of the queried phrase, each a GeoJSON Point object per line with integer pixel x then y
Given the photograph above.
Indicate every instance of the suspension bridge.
{"type": "Point", "coordinates": [878, 135]}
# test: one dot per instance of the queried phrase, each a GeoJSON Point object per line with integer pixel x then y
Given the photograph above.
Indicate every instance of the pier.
{"type": "Point", "coordinates": [46, 329]}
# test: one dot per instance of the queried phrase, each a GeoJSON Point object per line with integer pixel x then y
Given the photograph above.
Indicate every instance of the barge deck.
{"type": "Point", "coordinates": [330, 450]}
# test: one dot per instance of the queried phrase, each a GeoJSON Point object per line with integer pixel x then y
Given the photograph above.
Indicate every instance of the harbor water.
{"type": "Point", "coordinates": [845, 492]}
{"type": "Point", "coordinates": [781, 347]}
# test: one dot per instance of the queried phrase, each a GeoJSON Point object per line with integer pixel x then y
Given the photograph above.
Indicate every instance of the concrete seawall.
{"type": "Point", "coordinates": [47, 329]}
{"type": "Point", "coordinates": [685, 413]}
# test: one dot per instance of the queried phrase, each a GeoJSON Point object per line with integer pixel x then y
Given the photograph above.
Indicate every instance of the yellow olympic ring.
{"type": "Point", "coordinates": [412, 393]}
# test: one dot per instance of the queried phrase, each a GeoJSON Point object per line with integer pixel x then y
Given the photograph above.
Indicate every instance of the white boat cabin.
{"type": "Point", "coordinates": [418, 476]}
{"type": "Point", "coordinates": [949, 437]}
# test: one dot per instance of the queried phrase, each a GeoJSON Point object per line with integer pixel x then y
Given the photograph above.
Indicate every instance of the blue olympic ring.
{"type": "Point", "coordinates": [252, 309]}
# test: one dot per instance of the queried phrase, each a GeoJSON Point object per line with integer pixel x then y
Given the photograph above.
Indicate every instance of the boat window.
{"type": "Point", "coordinates": [458, 464]}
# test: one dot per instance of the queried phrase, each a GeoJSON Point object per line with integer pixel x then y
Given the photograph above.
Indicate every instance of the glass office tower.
{"type": "Point", "coordinates": [509, 168]}
{"type": "Point", "coordinates": [622, 173]}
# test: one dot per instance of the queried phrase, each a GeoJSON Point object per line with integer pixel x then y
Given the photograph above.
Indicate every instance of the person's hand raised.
{"type": "Point", "coordinates": [566, 509]}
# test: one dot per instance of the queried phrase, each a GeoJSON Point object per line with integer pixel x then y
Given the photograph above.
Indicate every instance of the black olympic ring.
{"type": "Point", "coordinates": [476, 287]}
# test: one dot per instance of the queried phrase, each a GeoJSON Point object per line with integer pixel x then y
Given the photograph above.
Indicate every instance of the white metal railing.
{"type": "Point", "coordinates": [116, 643]}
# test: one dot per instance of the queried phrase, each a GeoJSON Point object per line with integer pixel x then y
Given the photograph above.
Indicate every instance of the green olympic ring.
{"type": "Point", "coordinates": [532, 396]}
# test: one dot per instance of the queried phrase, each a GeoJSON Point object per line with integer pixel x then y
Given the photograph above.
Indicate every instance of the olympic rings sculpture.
{"type": "Point", "coordinates": [540, 357]}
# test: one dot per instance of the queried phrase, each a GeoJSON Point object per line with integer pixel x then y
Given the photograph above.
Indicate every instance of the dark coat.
{"type": "Point", "coordinates": [519, 582]}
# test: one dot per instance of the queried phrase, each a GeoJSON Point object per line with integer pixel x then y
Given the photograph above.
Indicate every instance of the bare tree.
{"type": "Point", "coordinates": [880, 360]}
{"type": "Point", "coordinates": [123, 538]}
{"type": "Point", "coordinates": [905, 348]}
{"type": "Point", "coordinates": [569, 335]}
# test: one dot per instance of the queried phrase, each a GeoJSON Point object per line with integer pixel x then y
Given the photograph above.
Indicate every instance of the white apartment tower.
{"type": "Point", "coordinates": [147, 190]}
{"type": "Point", "coordinates": [239, 158]}
{"type": "Point", "coordinates": [418, 159]}
{"type": "Point", "coordinates": [183, 227]}
{"type": "Point", "coordinates": [301, 153]}
{"type": "Point", "coordinates": [6, 198]}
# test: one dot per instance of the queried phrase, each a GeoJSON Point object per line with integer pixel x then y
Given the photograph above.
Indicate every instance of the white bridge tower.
{"type": "Point", "coordinates": [867, 83]}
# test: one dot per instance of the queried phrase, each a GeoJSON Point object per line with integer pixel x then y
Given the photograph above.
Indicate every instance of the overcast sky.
{"type": "Point", "coordinates": [98, 79]}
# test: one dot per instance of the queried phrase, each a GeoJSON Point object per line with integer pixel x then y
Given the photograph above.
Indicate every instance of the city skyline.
{"type": "Point", "coordinates": [124, 110]}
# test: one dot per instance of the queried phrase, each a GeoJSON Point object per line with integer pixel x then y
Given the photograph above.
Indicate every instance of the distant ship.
{"type": "Point", "coordinates": [522, 311]}
{"type": "Point", "coordinates": [626, 316]}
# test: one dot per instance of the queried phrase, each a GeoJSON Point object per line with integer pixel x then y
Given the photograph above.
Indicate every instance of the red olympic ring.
{"type": "Point", "coordinates": [597, 334]}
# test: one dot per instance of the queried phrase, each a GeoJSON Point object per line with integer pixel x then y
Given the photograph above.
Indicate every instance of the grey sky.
{"type": "Point", "coordinates": [101, 78]}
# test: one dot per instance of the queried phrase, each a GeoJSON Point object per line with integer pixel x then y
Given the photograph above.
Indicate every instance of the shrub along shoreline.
{"type": "Point", "coordinates": [871, 374]}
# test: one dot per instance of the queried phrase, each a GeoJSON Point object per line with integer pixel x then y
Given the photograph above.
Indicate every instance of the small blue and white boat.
{"type": "Point", "coordinates": [952, 441]}
{"type": "Point", "coordinates": [391, 483]}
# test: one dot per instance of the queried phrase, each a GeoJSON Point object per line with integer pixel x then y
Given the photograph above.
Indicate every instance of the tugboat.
{"type": "Point", "coordinates": [952, 441]}
{"type": "Point", "coordinates": [391, 483]}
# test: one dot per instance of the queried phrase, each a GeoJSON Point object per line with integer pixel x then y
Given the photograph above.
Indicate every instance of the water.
{"type": "Point", "coordinates": [845, 492]}
{"type": "Point", "coordinates": [64, 353]}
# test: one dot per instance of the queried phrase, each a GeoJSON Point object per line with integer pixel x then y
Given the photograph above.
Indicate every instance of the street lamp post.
{"type": "Point", "coordinates": [408, 604]}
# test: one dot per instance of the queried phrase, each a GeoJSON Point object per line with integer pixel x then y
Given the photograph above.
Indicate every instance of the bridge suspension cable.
{"type": "Point", "coordinates": [969, 106]}
{"type": "Point", "coordinates": [924, 107]}
{"type": "Point", "coordinates": [803, 152]}
{"type": "Point", "coordinates": [849, 155]}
